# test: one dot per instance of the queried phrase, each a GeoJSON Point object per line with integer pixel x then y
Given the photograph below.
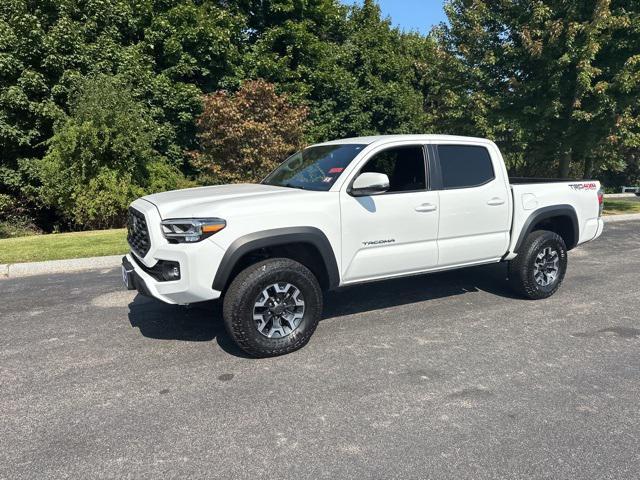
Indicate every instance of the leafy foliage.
{"type": "Point", "coordinates": [167, 51]}
{"type": "Point", "coordinates": [555, 82]}
{"type": "Point", "coordinates": [245, 135]}
{"type": "Point", "coordinates": [358, 75]}
{"type": "Point", "coordinates": [14, 223]}
{"type": "Point", "coordinates": [102, 156]}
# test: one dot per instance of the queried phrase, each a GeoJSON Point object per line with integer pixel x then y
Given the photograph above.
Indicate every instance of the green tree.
{"type": "Point", "coordinates": [102, 156]}
{"type": "Point", "coordinates": [555, 82]}
{"type": "Point", "coordinates": [169, 52]}
{"type": "Point", "coordinates": [245, 135]}
{"type": "Point", "coordinates": [357, 73]}
{"type": "Point", "coordinates": [549, 77]}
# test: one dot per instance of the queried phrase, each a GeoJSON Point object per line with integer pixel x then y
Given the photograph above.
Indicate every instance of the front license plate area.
{"type": "Point", "coordinates": [127, 279]}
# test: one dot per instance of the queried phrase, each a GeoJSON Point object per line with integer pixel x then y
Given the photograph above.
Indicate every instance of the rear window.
{"type": "Point", "coordinates": [465, 166]}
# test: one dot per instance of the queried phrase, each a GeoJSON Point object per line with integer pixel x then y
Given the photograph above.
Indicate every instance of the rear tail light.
{"type": "Point", "coordinates": [600, 201]}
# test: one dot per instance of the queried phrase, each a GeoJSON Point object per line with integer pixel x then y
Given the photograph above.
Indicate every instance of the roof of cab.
{"type": "Point", "coordinates": [416, 138]}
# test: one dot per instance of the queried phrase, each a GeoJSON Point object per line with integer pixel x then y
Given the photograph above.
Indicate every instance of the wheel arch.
{"type": "Point", "coordinates": [560, 219]}
{"type": "Point", "coordinates": [284, 241]}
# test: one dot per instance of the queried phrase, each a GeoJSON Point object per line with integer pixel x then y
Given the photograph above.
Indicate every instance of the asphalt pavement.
{"type": "Point", "coordinates": [438, 376]}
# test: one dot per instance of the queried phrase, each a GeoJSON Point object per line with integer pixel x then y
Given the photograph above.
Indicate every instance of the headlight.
{"type": "Point", "coordinates": [189, 230]}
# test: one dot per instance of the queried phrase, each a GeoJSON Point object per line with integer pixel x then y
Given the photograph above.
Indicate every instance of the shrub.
{"type": "Point", "coordinates": [17, 227]}
{"type": "Point", "coordinates": [6, 205]}
{"type": "Point", "coordinates": [101, 157]}
{"type": "Point", "coordinates": [163, 177]}
{"type": "Point", "coordinates": [102, 203]}
{"type": "Point", "coordinates": [13, 221]}
{"type": "Point", "coordinates": [245, 135]}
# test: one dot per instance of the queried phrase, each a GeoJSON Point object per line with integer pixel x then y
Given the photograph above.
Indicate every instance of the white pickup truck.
{"type": "Point", "coordinates": [352, 211]}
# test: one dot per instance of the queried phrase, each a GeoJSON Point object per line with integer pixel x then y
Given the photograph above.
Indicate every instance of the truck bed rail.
{"type": "Point", "coordinates": [524, 180]}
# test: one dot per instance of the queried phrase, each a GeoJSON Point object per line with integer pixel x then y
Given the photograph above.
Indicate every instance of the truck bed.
{"type": "Point", "coordinates": [533, 195]}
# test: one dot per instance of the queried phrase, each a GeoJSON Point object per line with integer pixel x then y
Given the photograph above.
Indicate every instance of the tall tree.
{"type": "Point", "coordinates": [170, 51]}
{"type": "Point", "coordinates": [357, 73]}
{"type": "Point", "coordinates": [550, 74]}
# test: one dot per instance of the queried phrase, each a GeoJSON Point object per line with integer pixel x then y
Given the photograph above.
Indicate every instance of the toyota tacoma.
{"type": "Point", "coordinates": [351, 211]}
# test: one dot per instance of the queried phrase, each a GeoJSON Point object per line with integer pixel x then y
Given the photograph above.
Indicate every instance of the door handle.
{"type": "Point", "coordinates": [426, 207]}
{"type": "Point", "coordinates": [496, 201]}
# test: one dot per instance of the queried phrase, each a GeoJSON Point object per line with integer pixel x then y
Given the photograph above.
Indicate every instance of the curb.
{"type": "Point", "coordinates": [621, 218]}
{"type": "Point", "coordinates": [619, 195]}
{"type": "Point", "coordinates": [14, 270]}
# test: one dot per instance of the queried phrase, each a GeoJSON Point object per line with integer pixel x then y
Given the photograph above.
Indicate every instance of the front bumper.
{"type": "Point", "coordinates": [131, 279]}
{"type": "Point", "coordinates": [198, 265]}
{"type": "Point", "coordinates": [179, 292]}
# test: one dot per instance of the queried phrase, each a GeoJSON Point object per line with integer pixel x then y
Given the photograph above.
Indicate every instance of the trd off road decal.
{"type": "Point", "coordinates": [583, 186]}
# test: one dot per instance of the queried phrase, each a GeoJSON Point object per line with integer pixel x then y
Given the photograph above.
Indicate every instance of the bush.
{"type": "Point", "coordinates": [164, 177]}
{"type": "Point", "coordinates": [14, 223]}
{"type": "Point", "coordinates": [6, 205]}
{"type": "Point", "coordinates": [101, 157]}
{"type": "Point", "coordinates": [243, 136]}
{"type": "Point", "coordinates": [17, 227]}
{"type": "Point", "coordinates": [103, 202]}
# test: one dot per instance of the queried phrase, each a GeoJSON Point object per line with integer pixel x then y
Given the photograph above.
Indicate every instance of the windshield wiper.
{"type": "Point", "coordinates": [291, 185]}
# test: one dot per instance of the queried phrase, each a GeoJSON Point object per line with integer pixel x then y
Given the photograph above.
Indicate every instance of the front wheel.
{"type": "Point", "coordinates": [272, 307]}
{"type": "Point", "coordinates": [540, 266]}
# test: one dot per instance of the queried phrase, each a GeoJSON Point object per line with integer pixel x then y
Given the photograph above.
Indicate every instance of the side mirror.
{"type": "Point", "coordinates": [370, 183]}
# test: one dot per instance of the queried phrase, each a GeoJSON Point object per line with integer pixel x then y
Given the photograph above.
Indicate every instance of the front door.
{"type": "Point", "coordinates": [394, 233]}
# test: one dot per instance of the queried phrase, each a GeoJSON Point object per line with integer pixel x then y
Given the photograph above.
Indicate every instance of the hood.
{"type": "Point", "coordinates": [198, 202]}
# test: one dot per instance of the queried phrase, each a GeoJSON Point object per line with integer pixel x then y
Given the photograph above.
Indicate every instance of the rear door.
{"type": "Point", "coordinates": [396, 232]}
{"type": "Point", "coordinates": [474, 221]}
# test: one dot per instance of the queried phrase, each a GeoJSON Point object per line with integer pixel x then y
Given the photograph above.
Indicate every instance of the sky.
{"type": "Point", "coordinates": [409, 15]}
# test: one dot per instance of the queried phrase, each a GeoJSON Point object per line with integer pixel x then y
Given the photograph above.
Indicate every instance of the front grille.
{"type": "Point", "coordinates": [138, 233]}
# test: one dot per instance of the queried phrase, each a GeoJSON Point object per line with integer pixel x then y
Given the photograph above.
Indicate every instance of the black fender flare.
{"type": "Point", "coordinates": [545, 213]}
{"type": "Point", "coordinates": [273, 238]}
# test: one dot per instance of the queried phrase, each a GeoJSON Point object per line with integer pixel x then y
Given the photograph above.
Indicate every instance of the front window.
{"type": "Point", "coordinates": [314, 168]}
{"type": "Point", "coordinates": [404, 166]}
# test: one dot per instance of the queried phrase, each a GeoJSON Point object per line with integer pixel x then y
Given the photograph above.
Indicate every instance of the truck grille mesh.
{"type": "Point", "coordinates": [137, 233]}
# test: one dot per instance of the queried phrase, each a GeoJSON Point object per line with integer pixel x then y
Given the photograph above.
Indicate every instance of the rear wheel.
{"type": "Point", "coordinates": [540, 266]}
{"type": "Point", "coordinates": [272, 307]}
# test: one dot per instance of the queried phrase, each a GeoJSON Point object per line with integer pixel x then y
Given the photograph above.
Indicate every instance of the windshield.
{"type": "Point", "coordinates": [314, 168]}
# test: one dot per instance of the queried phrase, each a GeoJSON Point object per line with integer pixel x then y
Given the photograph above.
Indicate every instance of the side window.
{"type": "Point", "coordinates": [404, 166]}
{"type": "Point", "coordinates": [464, 166]}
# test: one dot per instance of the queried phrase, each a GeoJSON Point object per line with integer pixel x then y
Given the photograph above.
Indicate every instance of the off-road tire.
{"type": "Point", "coordinates": [521, 268]}
{"type": "Point", "coordinates": [240, 297]}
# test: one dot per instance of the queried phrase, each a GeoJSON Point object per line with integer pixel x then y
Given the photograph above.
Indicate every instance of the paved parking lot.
{"type": "Point", "coordinates": [441, 376]}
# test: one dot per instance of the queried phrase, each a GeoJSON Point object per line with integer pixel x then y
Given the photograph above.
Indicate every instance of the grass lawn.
{"type": "Point", "coordinates": [60, 246]}
{"type": "Point", "coordinates": [619, 207]}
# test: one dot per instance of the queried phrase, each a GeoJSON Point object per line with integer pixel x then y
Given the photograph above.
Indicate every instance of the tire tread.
{"type": "Point", "coordinates": [521, 281]}
{"type": "Point", "coordinates": [235, 294]}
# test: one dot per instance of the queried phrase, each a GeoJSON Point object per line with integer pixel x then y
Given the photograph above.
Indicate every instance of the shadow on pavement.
{"type": "Point", "coordinates": [420, 288]}
{"type": "Point", "coordinates": [200, 322]}
{"type": "Point", "coordinates": [203, 322]}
